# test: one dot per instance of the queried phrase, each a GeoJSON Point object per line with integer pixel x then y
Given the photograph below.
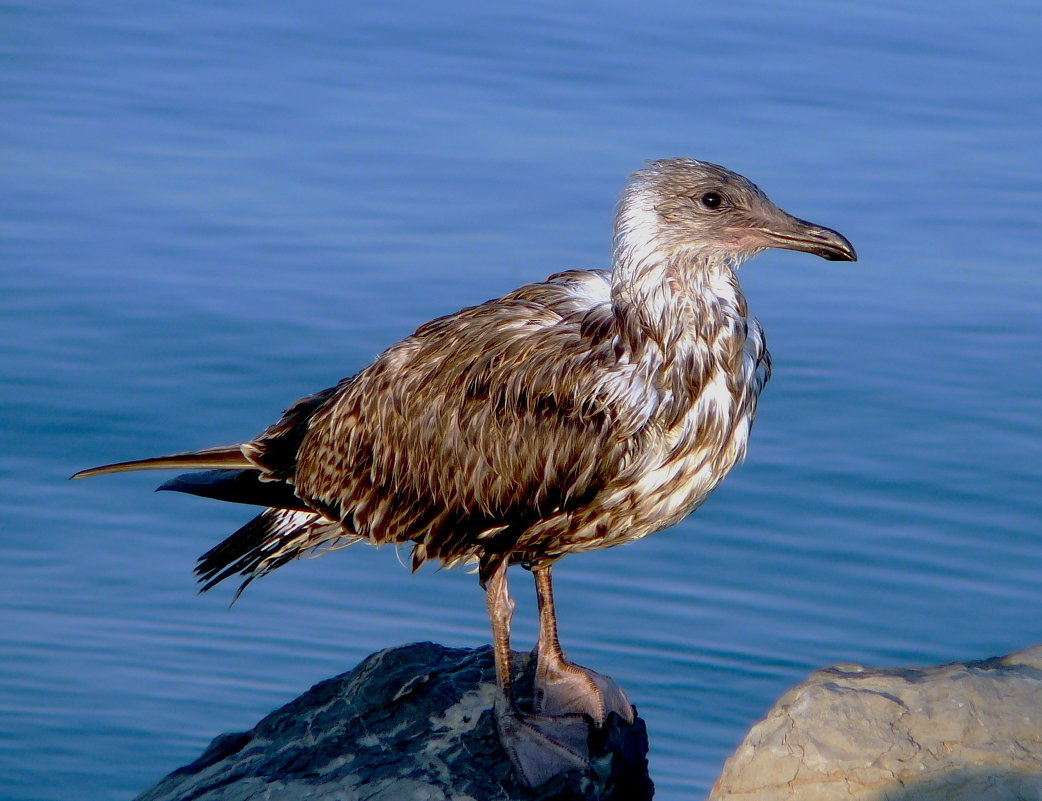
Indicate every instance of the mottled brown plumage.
{"type": "Point", "coordinates": [587, 410]}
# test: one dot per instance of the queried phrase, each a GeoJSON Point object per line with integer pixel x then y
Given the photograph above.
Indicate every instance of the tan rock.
{"type": "Point", "coordinates": [960, 732]}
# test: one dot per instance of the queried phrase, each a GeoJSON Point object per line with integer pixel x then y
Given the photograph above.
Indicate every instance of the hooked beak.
{"type": "Point", "coordinates": [793, 233]}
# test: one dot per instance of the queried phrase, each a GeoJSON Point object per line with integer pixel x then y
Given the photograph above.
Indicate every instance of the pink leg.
{"type": "Point", "coordinates": [562, 687]}
{"type": "Point", "coordinates": [540, 747]}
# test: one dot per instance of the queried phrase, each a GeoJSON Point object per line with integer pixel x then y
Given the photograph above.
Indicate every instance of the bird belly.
{"type": "Point", "coordinates": [668, 482]}
{"type": "Point", "coordinates": [679, 485]}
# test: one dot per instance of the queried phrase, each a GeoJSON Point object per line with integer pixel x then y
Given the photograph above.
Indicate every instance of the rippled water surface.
{"type": "Point", "coordinates": [209, 210]}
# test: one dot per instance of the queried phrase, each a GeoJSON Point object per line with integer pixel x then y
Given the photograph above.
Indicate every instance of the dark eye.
{"type": "Point", "coordinates": [711, 200]}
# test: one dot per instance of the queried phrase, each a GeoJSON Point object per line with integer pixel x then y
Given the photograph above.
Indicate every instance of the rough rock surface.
{"type": "Point", "coordinates": [958, 732]}
{"type": "Point", "coordinates": [408, 724]}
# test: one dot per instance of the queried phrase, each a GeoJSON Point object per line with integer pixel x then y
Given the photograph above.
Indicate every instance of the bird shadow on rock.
{"type": "Point", "coordinates": [971, 783]}
{"type": "Point", "coordinates": [413, 721]}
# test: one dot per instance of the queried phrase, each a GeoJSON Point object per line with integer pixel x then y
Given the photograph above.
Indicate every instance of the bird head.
{"type": "Point", "coordinates": [687, 208]}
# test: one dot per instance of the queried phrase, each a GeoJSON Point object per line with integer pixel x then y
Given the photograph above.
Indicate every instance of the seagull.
{"type": "Point", "coordinates": [581, 412]}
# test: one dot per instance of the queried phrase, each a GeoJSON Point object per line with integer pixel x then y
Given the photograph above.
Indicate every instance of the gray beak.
{"type": "Point", "coordinates": [796, 234]}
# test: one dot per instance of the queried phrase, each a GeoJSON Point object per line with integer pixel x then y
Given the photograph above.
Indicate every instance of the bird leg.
{"type": "Point", "coordinates": [562, 687]}
{"type": "Point", "coordinates": [540, 747]}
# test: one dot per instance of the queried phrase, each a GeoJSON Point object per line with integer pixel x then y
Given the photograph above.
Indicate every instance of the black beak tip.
{"type": "Point", "coordinates": [834, 246]}
{"type": "Point", "coordinates": [842, 255]}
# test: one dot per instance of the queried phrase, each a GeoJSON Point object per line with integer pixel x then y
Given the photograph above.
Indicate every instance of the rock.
{"type": "Point", "coordinates": [412, 723]}
{"type": "Point", "coordinates": [960, 732]}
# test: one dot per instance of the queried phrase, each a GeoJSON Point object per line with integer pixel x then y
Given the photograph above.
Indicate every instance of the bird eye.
{"type": "Point", "coordinates": [711, 200]}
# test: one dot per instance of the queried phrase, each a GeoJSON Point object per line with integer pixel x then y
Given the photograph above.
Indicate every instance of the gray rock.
{"type": "Point", "coordinates": [408, 724]}
{"type": "Point", "coordinates": [960, 732]}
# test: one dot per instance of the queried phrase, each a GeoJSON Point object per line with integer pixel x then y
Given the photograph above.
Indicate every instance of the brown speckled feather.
{"type": "Point", "coordinates": [481, 424]}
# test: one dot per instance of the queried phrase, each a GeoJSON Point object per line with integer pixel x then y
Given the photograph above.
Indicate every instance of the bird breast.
{"type": "Point", "coordinates": [693, 456]}
{"type": "Point", "coordinates": [706, 390]}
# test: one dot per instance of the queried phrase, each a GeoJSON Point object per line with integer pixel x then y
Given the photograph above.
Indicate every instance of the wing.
{"type": "Point", "coordinates": [462, 436]}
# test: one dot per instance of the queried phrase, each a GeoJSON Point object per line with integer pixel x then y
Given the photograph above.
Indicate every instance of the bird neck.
{"type": "Point", "coordinates": [672, 299]}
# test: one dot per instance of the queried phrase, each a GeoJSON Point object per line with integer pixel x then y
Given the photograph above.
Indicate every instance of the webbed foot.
{"type": "Point", "coordinates": [564, 688]}
{"type": "Point", "coordinates": [542, 746]}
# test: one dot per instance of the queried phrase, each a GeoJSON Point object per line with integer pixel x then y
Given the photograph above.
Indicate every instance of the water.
{"type": "Point", "coordinates": [209, 210]}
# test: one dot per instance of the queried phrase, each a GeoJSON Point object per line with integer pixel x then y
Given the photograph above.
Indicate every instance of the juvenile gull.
{"type": "Point", "coordinates": [589, 410]}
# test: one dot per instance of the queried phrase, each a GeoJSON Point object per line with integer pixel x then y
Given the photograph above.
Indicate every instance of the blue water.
{"type": "Point", "coordinates": [208, 210]}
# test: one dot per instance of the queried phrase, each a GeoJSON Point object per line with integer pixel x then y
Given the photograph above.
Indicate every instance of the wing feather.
{"type": "Point", "coordinates": [486, 420]}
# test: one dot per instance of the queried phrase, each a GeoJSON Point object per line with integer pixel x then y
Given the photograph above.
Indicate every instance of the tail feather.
{"type": "Point", "coordinates": [222, 457]}
{"type": "Point", "coordinates": [270, 540]}
{"type": "Point", "coordinates": [236, 486]}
